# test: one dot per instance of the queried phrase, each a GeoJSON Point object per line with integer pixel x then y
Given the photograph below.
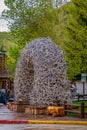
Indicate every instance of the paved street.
{"type": "Point", "coordinates": [7, 114]}
{"type": "Point", "coordinates": [41, 127]}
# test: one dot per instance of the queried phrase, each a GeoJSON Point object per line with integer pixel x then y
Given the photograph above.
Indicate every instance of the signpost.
{"type": "Point", "coordinates": [83, 80]}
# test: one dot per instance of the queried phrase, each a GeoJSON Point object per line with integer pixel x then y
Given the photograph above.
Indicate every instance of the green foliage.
{"type": "Point", "coordinates": [7, 43]}
{"type": "Point", "coordinates": [79, 102]}
{"type": "Point", "coordinates": [62, 15]}
{"type": "Point", "coordinates": [66, 26]}
{"type": "Point", "coordinates": [30, 19]}
{"type": "Point", "coordinates": [75, 44]}
{"type": "Point", "coordinates": [5, 40]}
{"type": "Point", "coordinates": [14, 53]}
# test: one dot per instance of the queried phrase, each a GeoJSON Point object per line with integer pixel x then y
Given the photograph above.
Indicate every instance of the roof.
{"type": "Point", "coordinates": [2, 50]}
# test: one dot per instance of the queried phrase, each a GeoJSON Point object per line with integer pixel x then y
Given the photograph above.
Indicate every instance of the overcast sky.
{"type": "Point", "coordinates": [3, 23]}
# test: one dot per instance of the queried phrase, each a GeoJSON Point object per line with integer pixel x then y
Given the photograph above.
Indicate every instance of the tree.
{"type": "Point", "coordinates": [7, 43]}
{"type": "Point", "coordinates": [58, 3]}
{"type": "Point", "coordinates": [13, 54]}
{"type": "Point", "coordinates": [75, 44]}
{"type": "Point", "coordinates": [5, 38]}
{"type": "Point", "coordinates": [29, 19]}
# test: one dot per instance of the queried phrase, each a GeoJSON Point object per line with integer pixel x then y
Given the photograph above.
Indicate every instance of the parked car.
{"type": "Point", "coordinates": [3, 98]}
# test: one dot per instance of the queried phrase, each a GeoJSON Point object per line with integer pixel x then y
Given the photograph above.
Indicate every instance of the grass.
{"type": "Point", "coordinates": [79, 102]}
{"type": "Point", "coordinates": [78, 109]}
{"type": "Point", "coordinates": [71, 114]}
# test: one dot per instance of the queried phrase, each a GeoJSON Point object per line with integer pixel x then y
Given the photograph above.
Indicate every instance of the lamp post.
{"type": "Point", "coordinates": [83, 80]}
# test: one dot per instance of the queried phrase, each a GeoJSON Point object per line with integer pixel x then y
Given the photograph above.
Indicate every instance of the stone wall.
{"type": "Point", "coordinates": [41, 74]}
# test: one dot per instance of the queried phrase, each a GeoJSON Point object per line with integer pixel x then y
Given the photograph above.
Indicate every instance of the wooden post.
{"type": "Point", "coordinates": [58, 103]}
{"type": "Point", "coordinates": [20, 107]}
{"type": "Point", "coordinates": [78, 96]}
{"type": "Point", "coordinates": [82, 110]}
{"type": "Point", "coordinates": [83, 90]}
{"type": "Point", "coordinates": [65, 106]}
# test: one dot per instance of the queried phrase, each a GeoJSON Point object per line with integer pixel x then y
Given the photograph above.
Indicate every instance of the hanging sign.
{"type": "Point", "coordinates": [83, 77]}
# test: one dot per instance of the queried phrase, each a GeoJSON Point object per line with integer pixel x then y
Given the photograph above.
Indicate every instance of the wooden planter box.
{"type": "Point", "coordinates": [9, 105]}
{"type": "Point", "coordinates": [17, 107]}
{"type": "Point", "coordinates": [55, 110]}
{"type": "Point", "coordinates": [35, 110]}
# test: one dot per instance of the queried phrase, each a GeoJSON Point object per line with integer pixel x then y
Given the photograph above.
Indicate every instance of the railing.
{"type": "Point", "coordinates": [71, 108]}
{"type": "Point", "coordinates": [79, 97]}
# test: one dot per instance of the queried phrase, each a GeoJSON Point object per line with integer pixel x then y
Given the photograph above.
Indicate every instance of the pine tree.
{"type": "Point", "coordinates": [76, 43]}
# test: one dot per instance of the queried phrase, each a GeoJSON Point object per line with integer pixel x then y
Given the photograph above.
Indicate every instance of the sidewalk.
{"type": "Point", "coordinates": [7, 116]}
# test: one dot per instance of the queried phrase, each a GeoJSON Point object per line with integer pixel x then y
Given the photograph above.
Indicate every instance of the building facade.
{"type": "Point", "coordinates": [5, 76]}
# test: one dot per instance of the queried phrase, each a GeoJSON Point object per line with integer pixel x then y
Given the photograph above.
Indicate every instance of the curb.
{"type": "Point", "coordinates": [43, 122]}
{"type": "Point", "coordinates": [13, 121]}
{"type": "Point", "coordinates": [57, 122]}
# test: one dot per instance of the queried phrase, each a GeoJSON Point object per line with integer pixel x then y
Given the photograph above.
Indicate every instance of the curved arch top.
{"type": "Point", "coordinates": [41, 74]}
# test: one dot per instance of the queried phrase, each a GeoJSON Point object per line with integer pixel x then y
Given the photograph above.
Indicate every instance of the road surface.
{"type": "Point", "coordinates": [41, 127]}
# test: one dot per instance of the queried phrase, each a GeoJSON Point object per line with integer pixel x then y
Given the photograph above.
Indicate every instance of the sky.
{"type": "Point", "coordinates": [3, 23]}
